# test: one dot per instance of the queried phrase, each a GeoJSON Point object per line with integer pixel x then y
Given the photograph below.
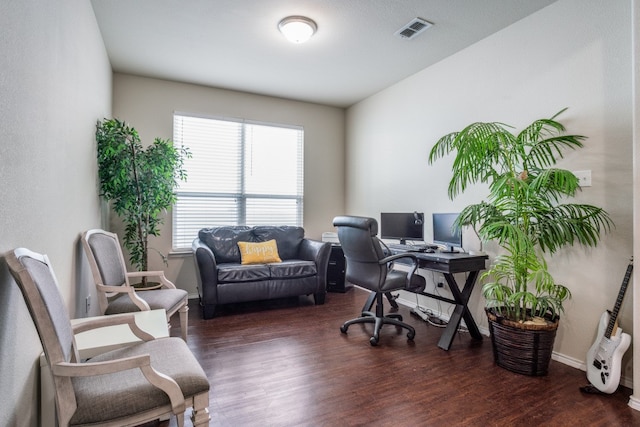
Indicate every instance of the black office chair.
{"type": "Point", "coordinates": [369, 267]}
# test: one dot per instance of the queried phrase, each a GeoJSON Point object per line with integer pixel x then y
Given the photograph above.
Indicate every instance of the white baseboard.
{"type": "Point", "coordinates": [574, 363]}
{"type": "Point", "coordinates": [579, 364]}
{"type": "Point", "coordinates": [634, 403]}
{"type": "Point", "coordinates": [564, 359]}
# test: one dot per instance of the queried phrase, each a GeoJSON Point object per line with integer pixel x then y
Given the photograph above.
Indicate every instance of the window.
{"type": "Point", "coordinates": [240, 173]}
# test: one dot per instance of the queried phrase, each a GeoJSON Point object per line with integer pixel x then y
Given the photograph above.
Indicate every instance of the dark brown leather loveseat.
{"type": "Point", "coordinates": [222, 279]}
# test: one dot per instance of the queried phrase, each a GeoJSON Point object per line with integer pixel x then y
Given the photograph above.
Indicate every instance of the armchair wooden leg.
{"type": "Point", "coordinates": [200, 414]}
{"type": "Point", "coordinates": [183, 321]}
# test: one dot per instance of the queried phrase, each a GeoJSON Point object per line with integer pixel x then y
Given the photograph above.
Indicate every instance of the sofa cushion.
{"type": "Point", "coordinates": [259, 253]}
{"type": "Point", "coordinates": [287, 237]}
{"type": "Point", "coordinates": [291, 269]}
{"type": "Point", "coordinates": [232, 272]}
{"type": "Point", "coordinates": [223, 241]}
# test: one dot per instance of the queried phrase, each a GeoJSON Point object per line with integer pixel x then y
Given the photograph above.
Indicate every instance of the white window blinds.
{"type": "Point", "coordinates": [240, 173]}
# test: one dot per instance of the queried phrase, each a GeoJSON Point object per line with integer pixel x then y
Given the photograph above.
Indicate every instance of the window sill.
{"type": "Point", "coordinates": [177, 253]}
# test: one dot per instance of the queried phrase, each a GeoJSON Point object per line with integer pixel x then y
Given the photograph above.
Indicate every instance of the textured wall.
{"type": "Point", "coordinates": [529, 70]}
{"type": "Point", "coordinates": [55, 82]}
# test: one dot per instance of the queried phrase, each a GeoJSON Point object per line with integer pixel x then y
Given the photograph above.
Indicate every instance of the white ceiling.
{"type": "Point", "coordinates": [235, 44]}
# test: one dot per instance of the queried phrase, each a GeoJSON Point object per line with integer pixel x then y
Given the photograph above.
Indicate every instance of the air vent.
{"type": "Point", "coordinates": [413, 28]}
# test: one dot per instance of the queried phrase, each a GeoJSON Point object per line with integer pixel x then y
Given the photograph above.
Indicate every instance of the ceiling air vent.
{"type": "Point", "coordinates": [413, 28]}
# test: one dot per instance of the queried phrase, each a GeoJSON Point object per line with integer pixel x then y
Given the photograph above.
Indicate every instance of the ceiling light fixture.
{"type": "Point", "coordinates": [297, 29]}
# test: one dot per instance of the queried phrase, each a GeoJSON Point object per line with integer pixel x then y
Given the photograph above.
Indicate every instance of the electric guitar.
{"type": "Point", "coordinates": [605, 355]}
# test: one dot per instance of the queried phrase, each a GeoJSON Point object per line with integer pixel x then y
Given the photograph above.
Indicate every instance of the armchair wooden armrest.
{"type": "Point", "coordinates": [142, 362]}
{"type": "Point", "coordinates": [139, 302]}
{"type": "Point", "coordinates": [164, 282]}
{"type": "Point", "coordinates": [104, 321]}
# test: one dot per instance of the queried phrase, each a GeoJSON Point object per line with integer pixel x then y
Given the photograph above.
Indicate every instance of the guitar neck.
{"type": "Point", "coordinates": [616, 308]}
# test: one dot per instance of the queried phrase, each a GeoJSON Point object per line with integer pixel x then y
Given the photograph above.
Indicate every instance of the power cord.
{"type": "Point", "coordinates": [430, 317]}
{"type": "Point", "coordinates": [437, 322]}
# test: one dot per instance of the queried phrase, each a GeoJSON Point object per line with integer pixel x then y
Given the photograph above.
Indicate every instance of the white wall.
{"type": "Point", "coordinates": [574, 54]}
{"type": "Point", "coordinates": [148, 105]}
{"type": "Point", "coordinates": [55, 82]}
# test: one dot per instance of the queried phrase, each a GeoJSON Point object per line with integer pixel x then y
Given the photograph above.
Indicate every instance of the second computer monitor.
{"type": "Point", "coordinates": [444, 232]}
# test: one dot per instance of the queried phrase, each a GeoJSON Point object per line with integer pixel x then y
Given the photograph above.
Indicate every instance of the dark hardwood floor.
{"type": "Point", "coordinates": [285, 363]}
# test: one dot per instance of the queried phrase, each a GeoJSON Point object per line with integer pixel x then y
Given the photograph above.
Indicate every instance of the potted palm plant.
{"type": "Point", "coordinates": [526, 212]}
{"type": "Point", "coordinates": [139, 182]}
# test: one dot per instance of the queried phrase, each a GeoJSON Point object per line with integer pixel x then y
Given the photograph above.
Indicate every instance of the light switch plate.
{"type": "Point", "coordinates": [584, 177]}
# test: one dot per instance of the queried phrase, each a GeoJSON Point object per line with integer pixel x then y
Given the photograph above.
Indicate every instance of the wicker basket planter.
{"type": "Point", "coordinates": [522, 348]}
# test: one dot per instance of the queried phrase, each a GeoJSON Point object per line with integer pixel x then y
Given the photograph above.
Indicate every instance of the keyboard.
{"type": "Point", "coordinates": [412, 248]}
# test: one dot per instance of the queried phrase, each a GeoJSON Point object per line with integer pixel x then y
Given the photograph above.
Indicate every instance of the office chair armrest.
{"type": "Point", "coordinates": [165, 283]}
{"type": "Point", "coordinates": [398, 256]}
{"type": "Point", "coordinates": [142, 362]}
{"type": "Point", "coordinates": [414, 264]}
{"type": "Point", "coordinates": [115, 320]}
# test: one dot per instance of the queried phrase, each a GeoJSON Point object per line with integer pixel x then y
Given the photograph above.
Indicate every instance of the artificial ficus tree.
{"type": "Point", "coordinates": [139, 182]}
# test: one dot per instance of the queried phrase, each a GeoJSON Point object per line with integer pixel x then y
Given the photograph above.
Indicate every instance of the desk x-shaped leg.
{"type": "Point", "coordinates": [461, 311]}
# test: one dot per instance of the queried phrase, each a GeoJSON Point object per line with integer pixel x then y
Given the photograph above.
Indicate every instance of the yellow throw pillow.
{"type": "Point", "coordinates": [259, 253]}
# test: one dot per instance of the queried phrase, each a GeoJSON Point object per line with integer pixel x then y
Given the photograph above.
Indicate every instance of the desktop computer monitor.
{"type": "Point", "coordinates": [444, 233]}
{"type": "Point", "coordinates": [402, 226]}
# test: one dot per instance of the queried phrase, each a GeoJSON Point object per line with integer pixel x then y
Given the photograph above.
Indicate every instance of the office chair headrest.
{"type": "Point", "coordinates": [357, 222]}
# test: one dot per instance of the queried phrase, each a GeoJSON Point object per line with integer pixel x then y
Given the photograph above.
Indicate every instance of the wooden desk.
{"type": "Point", "coordinates": [448, 264]}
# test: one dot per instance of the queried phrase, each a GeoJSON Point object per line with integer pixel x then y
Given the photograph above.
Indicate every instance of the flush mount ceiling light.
{"type": "Point", "coordinates": [297, 29]}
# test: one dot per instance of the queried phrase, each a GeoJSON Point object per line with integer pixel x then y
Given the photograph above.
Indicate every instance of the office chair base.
{"type": "Point", "coordinates": [379, 321]}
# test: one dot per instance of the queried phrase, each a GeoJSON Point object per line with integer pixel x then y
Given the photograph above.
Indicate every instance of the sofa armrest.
{"type": "Point", "coordinates": [314, 250]}
{"type": "Point", "coordinates": [206, 272]}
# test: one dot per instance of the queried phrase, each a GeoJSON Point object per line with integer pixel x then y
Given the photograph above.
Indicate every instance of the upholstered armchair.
{"type": "Point", "coordinates": [115, 293]}
{"type": "Point", "coordinates": [124, 387]}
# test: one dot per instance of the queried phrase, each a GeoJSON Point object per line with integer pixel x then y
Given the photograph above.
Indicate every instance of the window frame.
{"type": "Point", "coordinates": [178, 239]}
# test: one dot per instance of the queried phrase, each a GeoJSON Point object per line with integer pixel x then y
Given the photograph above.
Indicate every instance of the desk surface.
{"type": "Point", "coordinates": [448, 262]}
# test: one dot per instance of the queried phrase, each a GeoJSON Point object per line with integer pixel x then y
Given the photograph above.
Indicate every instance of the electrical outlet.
{"type": "Point", "coordinates": [584, 178]}
{"type": "Point", "coordinates": [87, 303]}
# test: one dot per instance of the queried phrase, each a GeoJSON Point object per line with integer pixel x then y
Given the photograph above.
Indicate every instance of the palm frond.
{"type": "Point", "coordinates": [525, 211]}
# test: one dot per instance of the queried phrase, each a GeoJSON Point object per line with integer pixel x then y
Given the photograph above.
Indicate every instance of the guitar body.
{"type": "Point", "coordinates": [604, 358]}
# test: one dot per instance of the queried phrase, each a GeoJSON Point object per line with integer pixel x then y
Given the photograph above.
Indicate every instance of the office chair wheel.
{"type": "Point", "coordinates": [411, 335]}
{"type": "Point", "coordinates": [373, 341]}
{"type": "Point", "coordinates": [343, 329]}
